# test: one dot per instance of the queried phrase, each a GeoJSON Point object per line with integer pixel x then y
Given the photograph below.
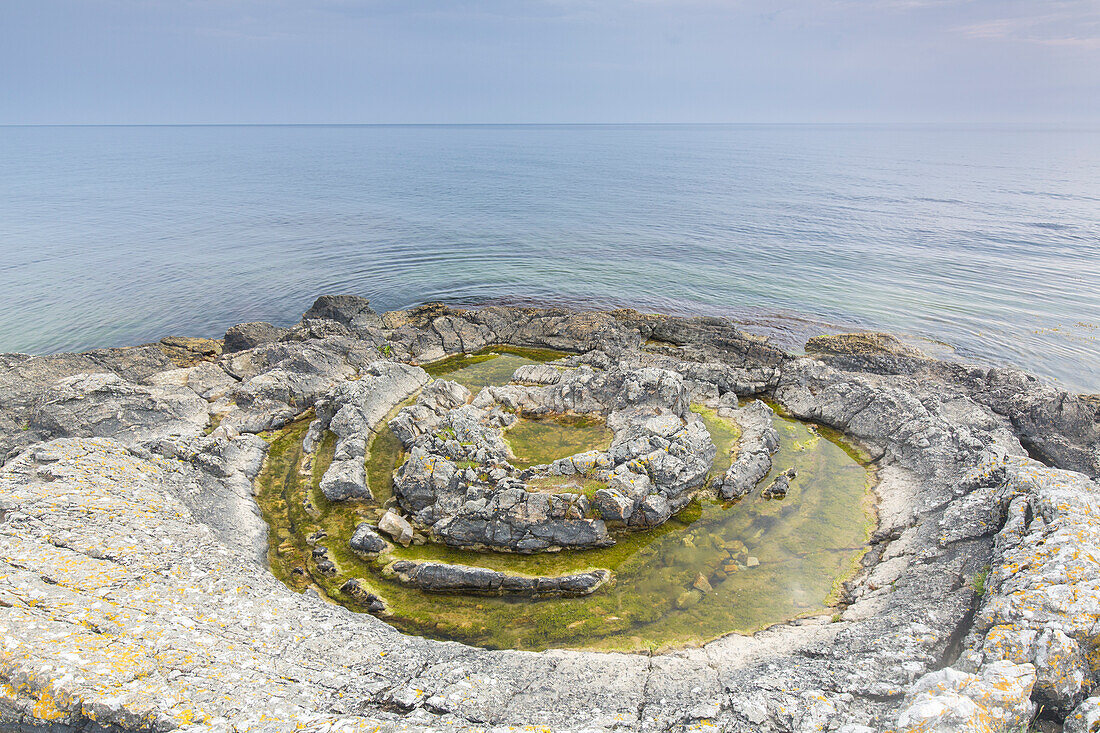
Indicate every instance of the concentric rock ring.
{"type": "Point", "coordinates": [130, 593]}
{"type": "Point", "coordinates": [659, 456]}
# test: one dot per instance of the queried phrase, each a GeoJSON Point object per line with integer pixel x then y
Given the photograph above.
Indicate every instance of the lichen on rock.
{"type": "Point", "coordinates": [133, 594]}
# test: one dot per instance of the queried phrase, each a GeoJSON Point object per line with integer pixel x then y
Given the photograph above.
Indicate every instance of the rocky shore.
{"type": "Point", "coordinates": [134, 595]}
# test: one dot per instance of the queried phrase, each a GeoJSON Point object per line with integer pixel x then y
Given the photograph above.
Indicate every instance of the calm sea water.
{"type": "Point", "coordinates": [985, 239]}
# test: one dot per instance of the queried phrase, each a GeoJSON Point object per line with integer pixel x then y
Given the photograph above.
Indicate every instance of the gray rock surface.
{"type": "Point", "coordinates": [659, 457]}
{"type": "Point", "coordinates": [250, 335]}
{"type": "Point", "coordinates": [759, 440]}
{"type": "Point", "coordinates": [133, 594]}
{"type": "Point", "coordinates": [367, 541]}
{"type": "Point", "coordinates": [438, 577]}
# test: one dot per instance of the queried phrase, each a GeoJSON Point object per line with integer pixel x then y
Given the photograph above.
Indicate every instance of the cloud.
{"type": "Point", "coordinates": [1073, 24]}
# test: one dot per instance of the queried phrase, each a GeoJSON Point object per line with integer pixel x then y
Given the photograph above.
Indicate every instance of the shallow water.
{"type": "Point", "coordinates": [985, 238]}
{"type": "Point", "coordinates": [543, 441]}
{"type": "Point", "coordinates": [712, 569]}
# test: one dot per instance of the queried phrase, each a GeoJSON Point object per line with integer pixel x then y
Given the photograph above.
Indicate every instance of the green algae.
{"type": "Point", "coordinates": [725, 434]}
{"type": "Point", "coordinates": [490, 366]}
{"type": "Point", "coordinates": [574, 484]}
{"type": "Point", "coordinates": [537, 441]}
{"type": "Point", "coordinates": [764, 561]}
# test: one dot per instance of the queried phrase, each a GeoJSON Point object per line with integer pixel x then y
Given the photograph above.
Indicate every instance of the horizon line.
{"type": "Point", "coordinates": [1064, 123]}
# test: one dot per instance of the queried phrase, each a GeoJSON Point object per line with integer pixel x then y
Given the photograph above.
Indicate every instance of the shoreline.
{"type": "Point", "coordinates": [114, 477]}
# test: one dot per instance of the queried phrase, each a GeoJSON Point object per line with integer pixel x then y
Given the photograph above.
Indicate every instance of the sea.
{"type": "Point", "coordinates": [977, 243]}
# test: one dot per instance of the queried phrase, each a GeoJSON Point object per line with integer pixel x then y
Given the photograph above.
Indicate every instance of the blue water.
{"type": "Point", "coordinates": [985, 239]}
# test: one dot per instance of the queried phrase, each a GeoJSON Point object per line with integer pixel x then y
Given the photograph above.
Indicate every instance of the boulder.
{"type": "Point", "coordinates": [366, 541]}
{"type": "Point", "coordinates": [349, 310]}
{"type": "Point", "coordinates": [250, 335]}
{"type": "Point", "coordinates": [346, 479]}
{"type": "Point", "coordinates": [396, 527]}
{"type": "Point", "coordinates": [613, 506]}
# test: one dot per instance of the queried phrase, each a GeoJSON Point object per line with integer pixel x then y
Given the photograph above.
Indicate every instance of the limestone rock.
{"type": "Point", "coordinates": [346, 479]}
{"type": "Point", "coordinates": [250, 335]}
{"type": "Point", "coordinates": [949, 700]}
{"type": "Point", "coordinates": [759, 440]}
{"type": "Point", "coordinates": [349, 310]}
{"type": "Point", "coordinates": [1085, 718]}
{"type": "Point", "coordinates": [366, 541]}
{"type": "Point", "coordinates": [396, 527]}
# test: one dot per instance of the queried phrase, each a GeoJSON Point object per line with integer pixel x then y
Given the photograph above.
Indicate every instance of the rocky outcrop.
{"type": "Point", "coordinates": [133, 597]}
{"type": "Point", "coordinates": [250, 335]}
{"type": "Point", "coordinates": [659, 457]}
{"type": "Point", "coordinates": [352, 410]}
{"type": "Point", "coordinates": [436, 577]}
{"type": "Point", "coordinates": [759, 440]}
{"type": "Point", "coordinates": [104, 404]}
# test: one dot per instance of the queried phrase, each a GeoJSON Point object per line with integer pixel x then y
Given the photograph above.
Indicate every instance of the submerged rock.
{"type": "Point", "coordinates": [443, 578]}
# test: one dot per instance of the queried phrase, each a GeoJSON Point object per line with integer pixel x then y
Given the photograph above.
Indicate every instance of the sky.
{"type": "Point", "coordinates": [548, 61]}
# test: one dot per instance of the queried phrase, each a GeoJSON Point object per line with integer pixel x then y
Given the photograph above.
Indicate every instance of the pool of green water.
{"type": "Point", "coordinates": [491, 366]}
{"type": "Point", "coordinates": [714, 568]}
{"type": "Point", "coordinates": [535, 442]}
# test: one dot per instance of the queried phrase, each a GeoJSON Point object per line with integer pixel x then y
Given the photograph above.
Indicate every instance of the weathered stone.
{"type": "Point", "coordinates": [365, 540]}
{"type": "Point", "coordinates": [1085, 718]}
{"type": "Point", "coordinates": [345, 479]}
{"type": "Point", "coordinates": [396, 527]}
{"type": "Point", "coordinates": [759, 440]}
{"type": "Point", "coordinates": [349, 310]}
{"type": "Point", "coordinates": [953, 701]}
{"type": "Point", "coordinates": [131, 591]}
{"type": "Point", "coordinates": [444, 578]}
{"type": "Point", "coordinates": [613, 506]}
{"type": "Point", "coordinates": [250, 335]}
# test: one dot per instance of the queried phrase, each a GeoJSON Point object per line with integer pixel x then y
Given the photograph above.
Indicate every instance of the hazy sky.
{"type": "Point", "coordinates": [169, 61]}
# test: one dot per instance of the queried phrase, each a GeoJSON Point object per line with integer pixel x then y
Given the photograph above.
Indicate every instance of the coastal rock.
{"type": "Point", "coordinates": [133, 594]}
{"type": "Point", "coordinates": [660, 456]}
{"type": "Point", "coordinates": [1085, 718]}
{"type": "Point", "coordinates": [105, 405]}
{"type": "Point", "coordinates": [861, 343]}
{"type": "Point", "coordinates": [613, 506]}
{"type": "Point", "coordinates": [346, 479]}
{"type": "Point", "coordinates": [953, 701]}
{"type": "Point", "coordinates": [349, 310]}
{"type": "Point", "coordinates": [443, 578]}
{"type": "Point", "coordinates": [759, 440]}
{"type": "Point", "coordinates": [250, 335]}
{"type": "Point", "coordinates": [396, 527]}
{"type": "Point", "coordinates": [365, 540]}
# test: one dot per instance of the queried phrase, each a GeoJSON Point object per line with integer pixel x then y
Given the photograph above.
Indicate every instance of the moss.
{"type": "Point", "coordinates": [571, 484]}
{"type": "Point", "coordinates": [725, 434]}
{"type": "Point", "coordinates": [807, 545]}
{"type": "Point", "coordinates": [539, 441]}
{"type": "Point", "coordinates": [384, 454]}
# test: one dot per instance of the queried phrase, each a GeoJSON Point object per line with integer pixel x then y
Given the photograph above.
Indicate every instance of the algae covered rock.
{"type": "Point", "coordinates": [365, 540]}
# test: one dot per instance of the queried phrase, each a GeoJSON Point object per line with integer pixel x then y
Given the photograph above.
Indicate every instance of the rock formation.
{"type": "Point", "coordinates": [133, 594]}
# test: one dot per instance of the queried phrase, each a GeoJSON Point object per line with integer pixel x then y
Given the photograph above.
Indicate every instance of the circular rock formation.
{"type": "Point", "coordinates": [133, 594]}
{"type": "Point", "coordinates": [460, 479]}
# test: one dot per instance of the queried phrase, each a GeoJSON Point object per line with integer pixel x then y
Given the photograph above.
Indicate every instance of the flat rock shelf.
{"type": "Point", "coordinates": [717, 534]}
